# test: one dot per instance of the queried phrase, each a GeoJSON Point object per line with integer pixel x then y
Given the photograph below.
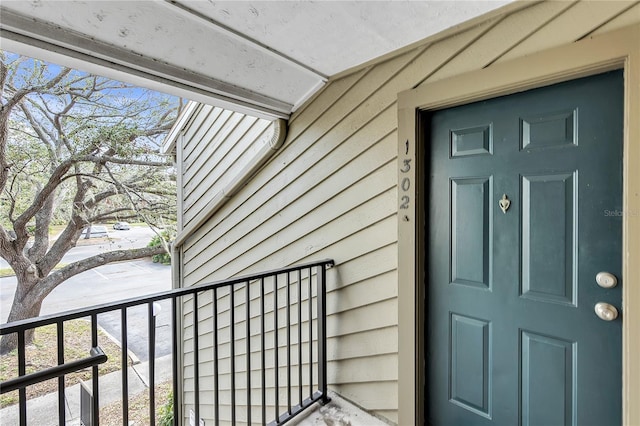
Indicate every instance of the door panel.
{"type": "Point", "coordinates": [549, 241]}
{"type": "Point", "coordinates": [548, 380]}
{"type": "Point", "coordinates": [469, 364]}
{"type": "Point", "coordinates": [470, 230]}
{"type": "Point", "coordinates": [512, 337]}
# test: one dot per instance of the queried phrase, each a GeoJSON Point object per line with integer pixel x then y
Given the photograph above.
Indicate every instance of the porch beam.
{"type": "Point", "coordinates": [33, 37]}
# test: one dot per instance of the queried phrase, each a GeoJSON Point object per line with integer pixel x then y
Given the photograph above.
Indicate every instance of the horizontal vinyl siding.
{"type": "Point", "coordinates": [217, 145]}
{"type": "Point", "coordinates": [206, 352]}
{"type": "Point", "coordinates": [331, 191]}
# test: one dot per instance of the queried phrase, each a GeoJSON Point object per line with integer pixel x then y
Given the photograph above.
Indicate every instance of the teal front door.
{"type": "Point", "coordinates": [524, 210]}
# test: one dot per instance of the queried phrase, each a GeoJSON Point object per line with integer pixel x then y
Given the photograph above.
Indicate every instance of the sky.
{"type": "Point", "coordinates": [119, 94]}
{"type": "Point", "coordinates": [126, 91]}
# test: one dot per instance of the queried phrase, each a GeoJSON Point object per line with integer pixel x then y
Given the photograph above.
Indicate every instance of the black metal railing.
{"type": "Point", "coordinates": [268, 353]}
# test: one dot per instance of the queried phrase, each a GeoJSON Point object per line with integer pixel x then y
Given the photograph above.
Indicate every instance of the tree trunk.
{"type": "Point", "coordinates": [41, 235]}
{"type": "Point", "coordinates": [24, 306]}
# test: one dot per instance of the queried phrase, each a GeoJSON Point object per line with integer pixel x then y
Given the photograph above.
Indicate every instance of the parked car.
{"type": "Point", "coordinates": [122, 226]}
{"type": "Point", "coordinates": [97, 231]}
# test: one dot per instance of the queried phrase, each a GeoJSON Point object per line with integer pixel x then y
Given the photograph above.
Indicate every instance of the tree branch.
{"type": "Point", "coordinates": [126, 161]}
{"type": "Point", "coordinates": [41, 236]}
{"type": "Point", "coordinates": [6, 248]}
{"type": "Point", "coordinates": [54, 180]}
{"type": "Point", "coordinates": [58, 176]}
{"type": "Point", "coordinates": [65, 241]}
{"type": "Point", "coordinates": [18, 95]}
{"type": "Point", "coordinates": [42, 135]}
{"type": "Point", "coordinates": [4, 71]}
{"type": "Point", "coordinates": [131, 217]}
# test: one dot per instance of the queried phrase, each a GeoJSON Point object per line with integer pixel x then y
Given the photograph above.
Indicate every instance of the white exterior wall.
{"type": "Point", "coordinates": [331, 191]}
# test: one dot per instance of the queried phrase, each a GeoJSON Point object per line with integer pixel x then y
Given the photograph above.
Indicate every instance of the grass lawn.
{"type": "Point", "coordinates": [43, 354]}
{"type": "Point", "coordinates": [111, 415]}
{"type": "Point", "coordinates": [54, 230]}
{"type": "Point", "coordinates": [77, 341]}
{"type": "Point", "coordinates": [6, 272]}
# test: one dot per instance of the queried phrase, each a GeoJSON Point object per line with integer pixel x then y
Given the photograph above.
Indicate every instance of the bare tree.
{"type": "Point", "coordinates": [80, 149]}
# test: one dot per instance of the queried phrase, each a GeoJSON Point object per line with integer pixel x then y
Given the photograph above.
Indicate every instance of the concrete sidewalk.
{"type": "Point", "coordinates": [43, 411]}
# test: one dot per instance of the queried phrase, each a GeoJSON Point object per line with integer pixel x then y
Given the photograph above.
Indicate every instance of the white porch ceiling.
{"type": "Point", "coordinates": [265, 57]}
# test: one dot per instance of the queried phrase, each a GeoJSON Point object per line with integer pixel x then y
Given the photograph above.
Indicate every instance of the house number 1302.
{"type": "Point", "coordinates": [405, 183]}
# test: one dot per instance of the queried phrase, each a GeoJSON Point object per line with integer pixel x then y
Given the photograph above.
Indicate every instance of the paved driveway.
{"type": "Point", "coordinates": [111, 283]}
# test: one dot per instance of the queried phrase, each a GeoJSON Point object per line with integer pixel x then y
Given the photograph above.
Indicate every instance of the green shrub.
{"type": "Point", "coordinates": [165, 413]}
{"type": "Point", "coordinates": [164, 258]}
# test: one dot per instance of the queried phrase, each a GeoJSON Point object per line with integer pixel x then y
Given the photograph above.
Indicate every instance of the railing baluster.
{"type": "Point", "coordinates": [216, 356]}
{"type": "Point", "coordinates": [310, 337]}
{"type": "Point", "coordinates": [288, 294]}
{"type": "Point", "coordinates": [151, 322]}
{"type": "Point", "coordinates": [248, 350]}
{"type": "Point", "coordinates": [263, 353]}
{"type": "Point", "coordinates": [95, 375]}
{"type": "Point", "coordinates": [174, 359]}
{"type": "Point", "coordinates": [300, 336]}
{"type": "Point", "coordinates": [124, 339]}
{"type": "Point", "coordinates": [196, 359]}
{"type": "Point", "coordinates": [232, 329]}
{"type": "Point", "coordinates": [61, 396]}
{"type": "Point", "coordinates": [276, 364]}
{"type": "Point", "coordinates": [322, 332]}
{"type": "Point", "coordinates": [22, 367]}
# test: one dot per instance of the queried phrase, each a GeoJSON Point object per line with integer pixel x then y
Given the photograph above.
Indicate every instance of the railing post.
{"type": "Point", "coordinates": [22, 370]}
{"type": "Point", "coordinates": [196, 358]}
{"type": "Point", "coordinates": [322, 333]}
{"type": "Point", "coordinates": [61, 394]}
{"type": "Point", "coordinates": [216, 364]}
{"type": "Point", "coordinates": [124, 364]}
{"type": "Point", "coordinates": [152, 310]}
{"type": "Point", "coordinates": [95, 413]}
{"type": "Point", "coordinates": [174, 361]}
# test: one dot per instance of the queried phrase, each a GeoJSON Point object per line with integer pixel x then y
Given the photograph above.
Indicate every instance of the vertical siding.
{"type": "Point", "coordinates": [331, 190]}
